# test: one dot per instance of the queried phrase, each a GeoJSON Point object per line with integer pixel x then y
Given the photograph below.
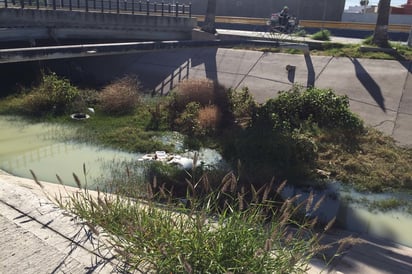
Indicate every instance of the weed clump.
{"type": "Point", "coordinates": [322, 35]}
{"type": "Point", "coordinates": [198, 106]}
{"type": "Point", "coordinates": [120, 97]}
{"type": "Point", "coordinates": [54, 95]}
{"type": "Point", "coordinates": [230, 228]}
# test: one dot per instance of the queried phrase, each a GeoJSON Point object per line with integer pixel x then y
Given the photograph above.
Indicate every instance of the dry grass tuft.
{"type": "Point", "coordinates": [209, 117]}
{"type": "Point", "coordinates": [120, 97]}
{"type": "Point", "coordinates": [203, 91]}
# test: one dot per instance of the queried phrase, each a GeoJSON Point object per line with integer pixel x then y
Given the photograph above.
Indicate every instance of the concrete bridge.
{"type": "Point", "coordinates": [93, 20]}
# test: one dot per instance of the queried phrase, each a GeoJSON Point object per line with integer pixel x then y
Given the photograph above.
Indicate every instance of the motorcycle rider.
{"type": "Point", "coordinates": [284, 17]}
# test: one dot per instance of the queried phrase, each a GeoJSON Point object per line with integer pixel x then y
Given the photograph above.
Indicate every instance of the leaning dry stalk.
{"type": "Point", "coordinates": [35, 179]}
{"type": "Point", "coordinates": [330, 224]}
{"type": "Point", "coordinates": [309, 201]}
{"type": "Point", "coordinates": [281, 187]}
{"type": "Point", "coordinates": [268, 188]}
{"type": "Point", "coordinates": [318, 203]}
{"type": "Point", "coordinates": [77, 180]}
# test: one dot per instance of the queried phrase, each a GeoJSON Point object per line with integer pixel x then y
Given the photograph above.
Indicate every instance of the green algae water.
{"type": "Point", "coordinates": [41, 148]}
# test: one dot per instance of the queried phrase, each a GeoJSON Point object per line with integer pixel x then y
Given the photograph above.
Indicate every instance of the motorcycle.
{"type": "Point", "coordinates": [275, 25]}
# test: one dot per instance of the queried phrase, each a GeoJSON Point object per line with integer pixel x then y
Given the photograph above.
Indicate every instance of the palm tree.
{"type": "Point", "coordinates": [209, 24]}
{"type": "Point", "coordinates": [380, 36]}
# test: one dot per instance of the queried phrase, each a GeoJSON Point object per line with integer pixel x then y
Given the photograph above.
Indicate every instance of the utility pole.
{"type": "Point", "coordinates": [325, 4]}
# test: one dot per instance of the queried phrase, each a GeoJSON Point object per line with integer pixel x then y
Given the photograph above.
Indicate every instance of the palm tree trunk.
{"type": "Point", "coordinates": [209, 24]}
{"type": "Point", "coordinates": [380, 36]}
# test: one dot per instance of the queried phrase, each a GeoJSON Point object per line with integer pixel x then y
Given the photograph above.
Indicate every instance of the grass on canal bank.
{"type": "Point", "coordinates": [399, 51]}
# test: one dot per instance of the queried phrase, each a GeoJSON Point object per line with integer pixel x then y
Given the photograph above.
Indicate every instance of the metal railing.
{"type": "Point", "coordinates": [104, 6]}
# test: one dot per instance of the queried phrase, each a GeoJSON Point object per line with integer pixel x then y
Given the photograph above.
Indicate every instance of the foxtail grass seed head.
{"type": "Point", "coordinates": [318, 203]}
{"type": "Point", "coordinates": [154, 183]}
{"type": "Point", "coordinates": [233, 182]}
{"type": "Point", "coordinates": [35, 179]}
{"type": "Point", "coordinates": [59, 179]}
{"type": "Point", "coordinates": [77, 180]}
{"type": "Point", "coordinates": [281, 187]}
{"type": "Point", "coordinates": [330, 224]}
{"type": "Point", "coordinates": [309, 201]}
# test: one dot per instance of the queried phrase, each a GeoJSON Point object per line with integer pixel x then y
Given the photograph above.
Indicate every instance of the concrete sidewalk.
{"type": "Point", "coordinates": [39, 237]}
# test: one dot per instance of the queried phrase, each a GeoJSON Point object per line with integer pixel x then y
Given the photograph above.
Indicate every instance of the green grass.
{"type": "Point", "coordinates": [219, 231]}
{"type": "Point", "coordinates": [322, 35]}
{"type": "Point", "coordinates": [372, 162]}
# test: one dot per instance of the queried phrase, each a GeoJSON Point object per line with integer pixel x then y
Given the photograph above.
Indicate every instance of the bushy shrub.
{"type": "Point", "coordinates": [120, 97]}
{"type": "Point", "coordinates": [242, 104]}
{"type": "Point", "coordinates": [264, 152]}
{"type": "Point", "coordinates": [198, 106]}
{"type": "Point", "coordinates": [187, 121]}
{"type": "Point", "coordinates": [54, 95]}
{"type": "Point", "coordinates": [322, 106]}
{"type": "Point", "coordinates": [322, 35]}
{"type": "Point", "coordinates": [88, 98]}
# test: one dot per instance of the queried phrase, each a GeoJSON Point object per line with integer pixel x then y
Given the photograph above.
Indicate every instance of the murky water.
{"type": "Point", "coordinates": [39, 147]}
{"type": "Point", "coordinates": [354, 214]}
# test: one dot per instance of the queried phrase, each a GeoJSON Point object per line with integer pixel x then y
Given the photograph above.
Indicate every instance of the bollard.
{"type": "Point", "coordinates": [147, 7]}
{"type": "Point", "coordinates": [177, 9]}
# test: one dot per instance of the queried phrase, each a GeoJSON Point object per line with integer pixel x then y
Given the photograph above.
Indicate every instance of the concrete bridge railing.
{"type": "Point", "coordinates": [105, 6]}
{"type": "Point", "coordinates": [93, 19]}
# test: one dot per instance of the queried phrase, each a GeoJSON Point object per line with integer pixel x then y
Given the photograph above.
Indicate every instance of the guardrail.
{"type": "Point", "coordinates": [351, 25]}
{"type": "Point", "coordinates": [308, 23]}
{"type": "Point", "coordinates": [104, 6]}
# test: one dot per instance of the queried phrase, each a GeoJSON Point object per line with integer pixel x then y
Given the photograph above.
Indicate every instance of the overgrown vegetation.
{"type": "Point", "coordinates": [213, 230]}
{"type": "Point", "coordinates": [301, 135]}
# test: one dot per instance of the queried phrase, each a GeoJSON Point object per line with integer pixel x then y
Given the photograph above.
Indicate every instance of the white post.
{"type": "Point", "coordinates": [410, 38]}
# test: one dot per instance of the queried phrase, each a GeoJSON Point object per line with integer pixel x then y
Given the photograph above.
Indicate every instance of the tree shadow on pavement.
{"type": "Point", "coordinates": [369, 84]}
{"type": "Point", "coordinates": [311, 71]}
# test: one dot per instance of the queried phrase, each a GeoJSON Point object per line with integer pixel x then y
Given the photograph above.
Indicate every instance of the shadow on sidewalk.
{"type": "Point", "coordinates": [369, 84]}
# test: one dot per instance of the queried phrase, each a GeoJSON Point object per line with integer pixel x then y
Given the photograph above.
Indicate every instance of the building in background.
{"type": "Point", "coordinates": [403, 9]}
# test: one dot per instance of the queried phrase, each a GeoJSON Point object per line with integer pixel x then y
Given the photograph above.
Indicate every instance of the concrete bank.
{"type": "Point", "coordinates": [39, 237]}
